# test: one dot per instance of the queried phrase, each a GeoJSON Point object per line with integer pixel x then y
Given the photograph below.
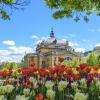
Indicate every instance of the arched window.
{"type": "Point", "coordinates": [68, 58]}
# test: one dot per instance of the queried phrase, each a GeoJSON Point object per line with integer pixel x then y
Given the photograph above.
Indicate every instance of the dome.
{"type": "Point", "coordinates": [52, 40]}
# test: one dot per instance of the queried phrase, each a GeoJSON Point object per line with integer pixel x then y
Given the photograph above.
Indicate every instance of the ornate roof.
{"type": "Point", "coordinates": [52, 40]}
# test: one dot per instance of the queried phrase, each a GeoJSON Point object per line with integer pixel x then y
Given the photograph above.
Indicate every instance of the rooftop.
{"type": "Point", "coordinates": [52, 40]}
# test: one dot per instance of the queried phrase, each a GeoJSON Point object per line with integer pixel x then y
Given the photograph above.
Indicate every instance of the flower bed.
{"type": "Point", "coordinates": [55, 83]}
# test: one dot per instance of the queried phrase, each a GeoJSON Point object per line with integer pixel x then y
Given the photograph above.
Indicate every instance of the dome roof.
{"type": "Point", "coordinates": [52, 40]}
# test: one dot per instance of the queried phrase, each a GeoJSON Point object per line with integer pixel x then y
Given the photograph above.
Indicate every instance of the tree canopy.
{"type": "Point", "coordinates": [9, 5]}
{"type": "Point", "coordinates": [92, 60]}
{"type": "Point", "coordinates": [75, 9]}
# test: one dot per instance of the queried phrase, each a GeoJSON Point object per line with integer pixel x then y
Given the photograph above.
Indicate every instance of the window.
{"type": "Point", "coordinates": [43, 62]}
{"type": "Point", "coordinates": [68, 58]}
{"type": "Point", "coordinates": [32, 59]}
{"type": "Point", "coordinates": [54, 58]}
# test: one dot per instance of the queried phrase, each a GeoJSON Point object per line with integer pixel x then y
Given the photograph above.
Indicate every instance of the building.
{"type": "Point", "coordinates": [49, 51]}
{"type": "Point", "coordinates": [96, 48]}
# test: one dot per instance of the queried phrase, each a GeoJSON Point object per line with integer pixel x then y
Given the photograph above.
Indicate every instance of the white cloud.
{"type": "Point", "coordinates": [91, 30]}
{"type": "Point", "coordinates": [98, 44]}
{"type": "Point", "coordinates": [90, 45]}
{"type": "Point", "coordinates": [99, 29]}
{"type": "Point", "coordinates": [80, 50]}
{"type": "Point", "coordinates": [44, 38]}
{"type": "Point", "coordinates": [94, 30]}
{"type": "Point", "coordinates": [35, 37]}
{"type": "Point", "coordinates": [73, 44]}
{"type": "Point", "coordinates": [87, 41]}
{"type": "Point", "coordinates": [64, 40]}
{"type": "Point", "coordinates": [70, 36]}
{"type": "Point", "coordinates": [84, 40]}
{"type": "Point", "coordinates": [39, 40]}
{"type": "Point", "coordinates": [10, 58]}
{"type": "Point", "coordinates": [4, 53]}
{"type": "Point", "coordinates": [5, 58]}
{"type": "Point", "coordinates": [14, 53]}
{"type": "Point", "coordinates": [20, 50]}
{"type": "Point", "coordinates": [9, 42]}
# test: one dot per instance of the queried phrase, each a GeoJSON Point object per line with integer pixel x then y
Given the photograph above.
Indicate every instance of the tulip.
{"type": "Point", "coordinates": [69, 71]}
{"type": "Point", "coordinates": [19, 70]}
{"type": "Point", "coordinates": [2, 97]}
{"type": "Point", "coordinates": [62, 85]}
{"type": "Point", "coordinates": [39, 97]}
{"type": "Point", "coordinates": [26, 92]}
{"type": "Point", "coordinates": [82, 66]}
{"type": "Point", "coordinates": [80, 96]}
{"type": "Point", "coordinates": [50, 94]}
{"type": "Point", "coordinates": [49, 85]}
{"type": "Point", "coordinates": [21, 97]}
{"type": "Point", "coordinates": [75, 77]}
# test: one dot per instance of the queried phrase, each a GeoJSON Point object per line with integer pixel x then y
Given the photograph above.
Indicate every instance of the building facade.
{"type": "Point", "coordinates": [49, 51]}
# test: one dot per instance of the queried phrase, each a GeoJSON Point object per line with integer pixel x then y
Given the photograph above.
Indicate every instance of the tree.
{"type": "Point", "coordinates": [6, 5]}
{"type": "Point", "coordinates": [6, 65]}
{"type": "Point", "coordinates": [75, 9]}
{"type": "Point", "coordinates": [92, 60]}
{"type": "Point", "coordinates": [98, 60]}
{"type": "Point", "coordinates": [73, 63]}
{"type": "Point", "coordinates": [13, 65]}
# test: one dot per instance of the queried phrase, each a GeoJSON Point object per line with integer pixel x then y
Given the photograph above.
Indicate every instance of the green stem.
{"type": "Point", "coordinates": [63, 95]}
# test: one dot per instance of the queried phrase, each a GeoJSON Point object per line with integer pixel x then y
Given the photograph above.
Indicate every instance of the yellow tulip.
{"type": "Point", "coordinates": [98, 71]}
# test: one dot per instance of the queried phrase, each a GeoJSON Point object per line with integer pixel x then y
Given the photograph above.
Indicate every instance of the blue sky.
{"type": "Point", "coordinates": [26, 28]}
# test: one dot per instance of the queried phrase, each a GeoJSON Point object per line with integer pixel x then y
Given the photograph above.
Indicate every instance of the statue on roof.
{"type": "Point", "coordinates": [55, 41]}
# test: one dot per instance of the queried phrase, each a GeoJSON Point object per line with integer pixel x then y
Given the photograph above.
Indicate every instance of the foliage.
{"type": "Point", "coordinates": [75, 9]}
{"type": "Point", "coordinates": [11, 65]}
{"type": "Point", "coordinates": [74, 63]}
{"type": "Point", "coordinates": [98, 60]}
{"type": "Point", "coordinates": [92, 60]}
{"type": "Point", "coordinates": [6, 5]}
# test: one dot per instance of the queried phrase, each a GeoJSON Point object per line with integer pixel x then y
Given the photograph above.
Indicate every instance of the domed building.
{"type": "Point", "coordinates": [48, 52]}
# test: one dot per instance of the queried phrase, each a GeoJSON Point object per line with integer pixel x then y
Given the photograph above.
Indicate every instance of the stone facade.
{"type": "Point", "coordinates": [48, 52]}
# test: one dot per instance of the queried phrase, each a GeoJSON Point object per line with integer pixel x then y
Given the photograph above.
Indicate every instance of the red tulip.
{"type": "Point", "coordinates": [4, 73]}
{"type": "Point", "coordinates": [75, 77]}
{"type": "Point", "coordinates": [69, 71]}
{"type": "Point", "coordinates": [87, 69]}
{"type": "Point", "coordinates": [39, 97]}
{"type": "Point", "coordinates": [78, 69]}
{"type": "Point", "coordinates": [82, 66]}
{"type": "Point", "coordinates": [96, 68]}
{"type": "Point", "coordinates": [42, 72]}
{"type": "Point", "coordinates": [53, 70]}
{"type": "Point", "coordinates": [90, 77]}
{"type": "Point", "coordinates": [19, 70]}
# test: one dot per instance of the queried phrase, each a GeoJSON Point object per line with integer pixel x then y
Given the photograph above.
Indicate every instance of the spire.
{"type": "Point", "coordinates": [52, 33]}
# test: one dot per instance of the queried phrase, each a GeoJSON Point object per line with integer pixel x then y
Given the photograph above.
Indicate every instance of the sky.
{"type": "Point", "coordinates": [30, 26]}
